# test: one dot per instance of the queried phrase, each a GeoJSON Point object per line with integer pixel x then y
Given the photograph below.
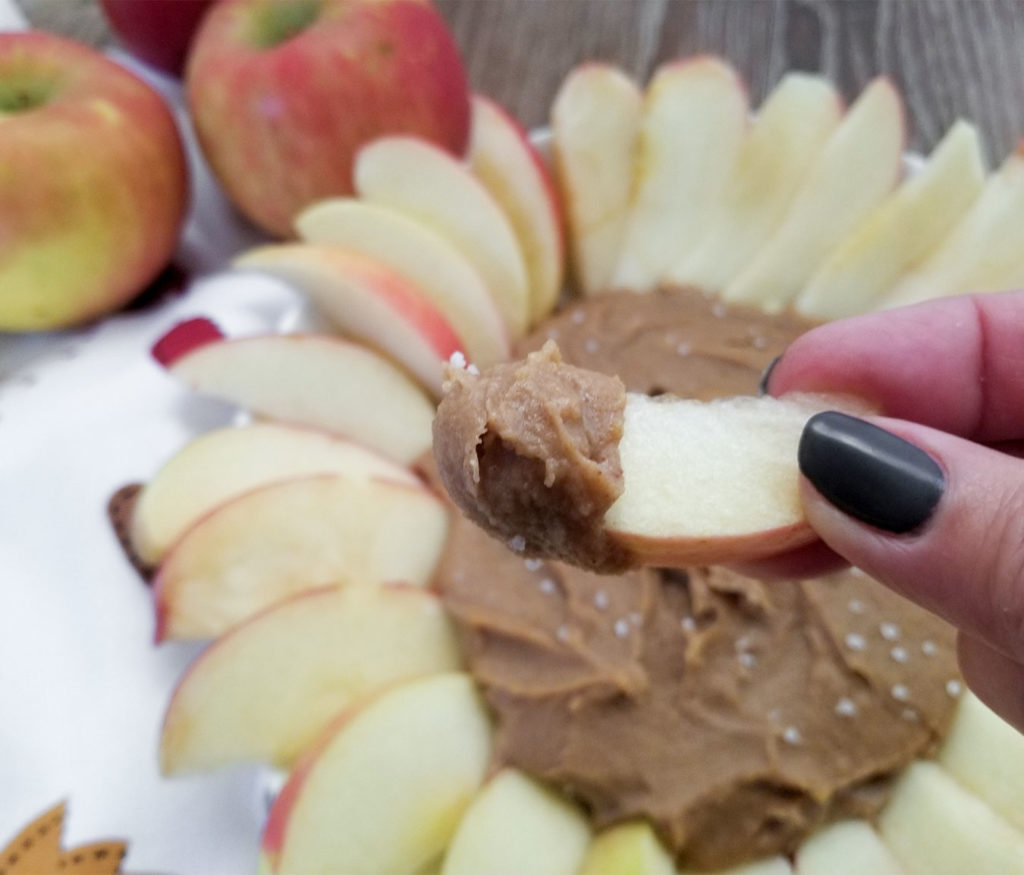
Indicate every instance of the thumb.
{"type": "Point", "coordinates": [936, 518]}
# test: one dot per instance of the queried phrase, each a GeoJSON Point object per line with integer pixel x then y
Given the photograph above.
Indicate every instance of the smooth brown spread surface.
{"type": "Point", "coordinates": [735, 715]}
{"type": "Point", "coordinates": [530, 452]}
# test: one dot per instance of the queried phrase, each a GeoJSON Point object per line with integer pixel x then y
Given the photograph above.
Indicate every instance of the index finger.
{"type": "Point", "coordinates": [955, 364]}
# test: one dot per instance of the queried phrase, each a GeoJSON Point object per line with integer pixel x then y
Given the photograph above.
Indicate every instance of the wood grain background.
{"type": "Point", "coordinates": [951, 58]}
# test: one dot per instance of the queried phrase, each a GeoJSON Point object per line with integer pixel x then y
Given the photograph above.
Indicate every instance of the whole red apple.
{"type": "Point", "coordinates": [284, 92]}
{"type": "Point", "coordinates": [156, 31]}
{"type": "Point", "coordinates": [93, 183]}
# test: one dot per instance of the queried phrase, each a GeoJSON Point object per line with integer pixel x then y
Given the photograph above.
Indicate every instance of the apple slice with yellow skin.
{"type": "Point", "coordinates": [384, 790]}
{"type": "Point", "coordinates": [849, 847]}
{"type": "Point", "coordinates": [293, 536]}
{"type": "Point", "coordinates": [694, 122]}
{"type": "Point", "coordinates": [266, 690]}
{"type": "Point", "coordinates": [901, 231]}
{"type": "Point", "coordinates": [424, 257]}
{"type": "Point", "coordinates": [368, 300]}
{"type": "Point", "coordinates": [627, 849]}
{"type": "Point", "coordinates": [983, 253]}
{"type": "Point", "coordinates": [933, 826]}
{"type": "Point", "coordinates": [506, 162]}
{"type": "Point", "coordinates": [226, 462]}
{"type": "Point", "coordinates": [428, 184]}
{"type": "Point", "coordinates": [855, 169]}
{"type": "Point", "coordinates": [789, 132]}
{"type": "Point", "coordinates": [516, 825]}
{"type": "Point", "coordinates": [595, 121]}
{"type": "Point", "coordinates": [313, 380]}
{"type": "Point", "coordinates": [986, 755]}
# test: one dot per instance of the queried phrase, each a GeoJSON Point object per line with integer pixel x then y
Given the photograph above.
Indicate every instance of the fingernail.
{"type": "Point", "coordinates": [869, 473]}
{"type": "Point", "coordinates": [766, 375]}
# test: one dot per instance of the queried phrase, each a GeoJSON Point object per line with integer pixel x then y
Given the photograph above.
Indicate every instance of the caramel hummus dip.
{"type": "Point", "coordinates": [735, 716]}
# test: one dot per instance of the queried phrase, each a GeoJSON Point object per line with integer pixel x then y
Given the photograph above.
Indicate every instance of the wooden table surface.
{"type": "Point", "coordinates": [952, 58]}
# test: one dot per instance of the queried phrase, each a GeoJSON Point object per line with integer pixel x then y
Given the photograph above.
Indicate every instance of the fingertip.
{"type": "Point", "coordinates": [993, 677]}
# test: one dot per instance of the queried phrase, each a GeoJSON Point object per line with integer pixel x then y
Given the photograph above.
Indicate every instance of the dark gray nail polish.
{"type": "Point", "coordinates": [869, 473]}
{"type": "Point", "coordinates": [766, 375]}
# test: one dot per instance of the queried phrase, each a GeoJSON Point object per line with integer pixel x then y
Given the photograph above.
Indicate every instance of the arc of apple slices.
{"type": "Point", "coordinates": [227, 462]}
{"type": "Point", "coordinates": [694, 121]}
{"type": "Point", "coordinates": [290, 537]}
{"type": "Point", "coordinates": [595, 120]}
{"type": "Point", "coordinates": [319, 381]}
{"type": "Point", "coordinates": [424, 181]}
{"type": "Point", "coordinates": [900, 232]}
{"type": "Point", "coordinates": [384, 789]}
{"type": "Point", "coordinates": [266, 690]}
{"type": "Point", "coordinates": [788, 133]}
{"type": "Point", "coordinates": [426, 258]}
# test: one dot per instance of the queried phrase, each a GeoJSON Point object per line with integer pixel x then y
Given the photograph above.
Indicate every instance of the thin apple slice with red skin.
{"type": "Point", "coordinates": [384, 789]}
{"type": "Point", "coordinates": [983, 253]}
{"type": "Point", "coordinates": [515, 825]}
{"type": "Point", "coordinates": [858, 166]}
{"type": "Point", "coordinates": [848, 847]}
{"type": "Point", "coordinates": [503, 158]}
{"type": "Point", "coordinates": [292, 536]}
{"type": "Point", "coordinates": [427, 183]}
{"type": "Point", "coordinates": [226, 462]}
{"type": "Point", "coordinates": [595, 121]}
{"type": "Point", "coordinates": [694, 122]}
{"type": "Point", "coordinates": [266, 690]}
{"type": "Point", "coordinates": [933, 826]}
{"type": "Point", "coordinates": [320, 381]}
{"type": "Point", "coordinates": [902, 231]}
{"type": "Point", "coordinates": [368, 300]}
{"type": "Point", "coordinates": [788, 133]}
{"type": "Point", "coordinates": [427, 259]}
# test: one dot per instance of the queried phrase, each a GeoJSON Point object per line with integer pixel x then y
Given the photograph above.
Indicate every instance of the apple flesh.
{"type": "Point", "coordinates": [424, 257]}
{"type": "Point", "coordinates": [384, 791]}
{"type": "Point", "coordinates": [284, 92]}
{"type": "Point", "coordinates": [516, 825]}
{"type": "Point", "coordinates": [628, 849]}
{"type": "Point", "coordinates": [290, 537]}
{"type": "Point", "coordinates": [595, 119]}
{"type": "Point", "coordinates": [158, 32]}
{"type": "Point", "coordinates": [227, 462]}
{"type": "Point", "coordinates": [506, 162]}
{"type": "Point", "coordinates": [855, 170]}
{"type": "Point", "coordinates": [413, 176]}
{"type": "Point", "coordinates": [849, 847]}
{"type": "Point", "coordinates": [694, 122]}
{"type": "Point", "coordinates": [313, 380]}
{"type": "Point", "coordinates": [94, 189]}
{"type": "Point", "coordinates": [266, 690]}
{"type": "Point", "coordinates": [368, 300]}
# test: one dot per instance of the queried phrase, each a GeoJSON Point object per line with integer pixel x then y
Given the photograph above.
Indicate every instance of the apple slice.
{"type": "Point", "coordinates": [293, 536]}
{"type": "Point", "coordinates": [506, 162]}
{"type": "Point", "coordinates": [515, 825]}
{"type": "Point", "coordinates": [983, 253]}
{"type": "Point", "coordinates": [314, 380]}
{"type": "Point", "coordinates": [226, 462]}
{"type": "Point", "coordinates": [595, 120]}
{"type": "Point", "coordinates": [858, 165]}
{"type": "Point", "coordinates": [384, 791]}
{"type": "Point", "coordinates": [694, 120]}
{"type": "Point", "coordinates": [933, 826]}
{"type": "Point", "coordinates": [789, 132]}
{"type": "Point", "coordinates": [849, 847]}
{"type": "Point", "coordinates": [902, 231]}
{"type": "Point", "coordinates": [267, 689]}
{"type": "Point", "coordinates": [368, 300]}
{"type": "Point", "coordinates": [628, 849]}
{"type": "Point", "coordinates": [424, 257]}
{"type": "Point", "coordinates": [430, 185]}
{"type": "Point", "coordinates": [986, 755]}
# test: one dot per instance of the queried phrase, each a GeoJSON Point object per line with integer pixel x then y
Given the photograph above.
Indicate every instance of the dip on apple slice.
{"type": "Point", "coordinates": [563, 463]}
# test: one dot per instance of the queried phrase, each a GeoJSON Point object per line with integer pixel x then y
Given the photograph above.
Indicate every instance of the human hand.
{"type": "Point", "coordinates": [927, 497]}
